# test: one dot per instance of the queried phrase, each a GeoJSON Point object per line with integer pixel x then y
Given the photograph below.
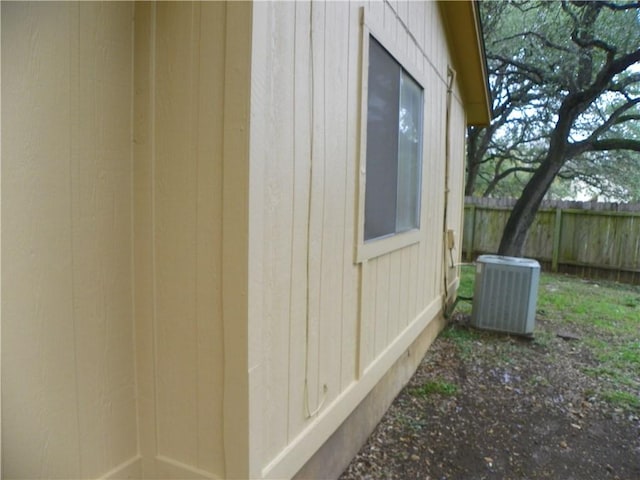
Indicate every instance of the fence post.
{"type": "Point", "coordinates": [556, 240]}
{"type": "Point", "coordinates": [472, 233]}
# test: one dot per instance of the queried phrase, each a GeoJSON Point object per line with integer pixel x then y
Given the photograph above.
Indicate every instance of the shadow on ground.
{"type": "Point", "coordinates": [491, 406]}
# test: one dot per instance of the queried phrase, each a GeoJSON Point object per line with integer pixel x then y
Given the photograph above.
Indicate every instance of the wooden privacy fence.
{"type": "Point", "coordinates": [585, 238]}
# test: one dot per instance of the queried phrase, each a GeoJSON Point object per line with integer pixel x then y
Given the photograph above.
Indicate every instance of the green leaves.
{"type": "Point", "coordinates": [560, 60]}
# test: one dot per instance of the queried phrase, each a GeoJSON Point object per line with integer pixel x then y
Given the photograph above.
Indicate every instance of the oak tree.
{"type": "Point", "coordinates": [565, 78]}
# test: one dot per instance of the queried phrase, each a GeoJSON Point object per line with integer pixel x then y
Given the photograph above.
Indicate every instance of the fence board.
{"type": "Point", "coordinates": [590, 239]}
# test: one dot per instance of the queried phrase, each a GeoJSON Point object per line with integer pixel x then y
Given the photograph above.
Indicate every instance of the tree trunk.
{"type": "Point", "coordinates": [524, 211]}
{"type": "Point", "coordinates": [473, 160]}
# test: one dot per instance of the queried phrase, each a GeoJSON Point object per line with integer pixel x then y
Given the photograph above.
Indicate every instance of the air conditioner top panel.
{"type": "Point", "coordinates": [511, 261]}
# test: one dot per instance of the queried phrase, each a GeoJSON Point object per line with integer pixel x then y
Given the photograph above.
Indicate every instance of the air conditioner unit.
{"type": "Point", "coordinates": [505, 294]}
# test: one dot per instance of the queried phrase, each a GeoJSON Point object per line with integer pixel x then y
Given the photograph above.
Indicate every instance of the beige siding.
{"type": "Point", "coordinates": [322, 325]}
{"type": "Point", "coordinates": [455, 208]}
{"type": "Point", "coordinates": [180, 208]}
{"type": "Point", "coordinates": [68, 379]}
{"type": "Point", "coordinates": [178, 211]}
{"type": "Point", "coordinates": [122, 122]}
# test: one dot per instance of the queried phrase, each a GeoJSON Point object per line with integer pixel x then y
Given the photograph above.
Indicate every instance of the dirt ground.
{"type": "Point", "coordinates": [503, 408]}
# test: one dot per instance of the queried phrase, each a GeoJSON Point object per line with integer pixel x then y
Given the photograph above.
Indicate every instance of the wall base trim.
{"type": "Point", "coordinates": [169, 468]}
{"type": "Point", "coordinates": [132, 468]}
{"type": "Point", "coordinates": [337, 452]}
{"type": "Point", "coordinates": [402, 355]}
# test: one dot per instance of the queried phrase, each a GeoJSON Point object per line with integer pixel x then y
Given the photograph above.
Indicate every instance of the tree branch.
{"type": "Point", "coordinates": [496, 179]}
{"type": "Point", "coordinates": [567, 10]}
{"type": "Point", "coordinates": [579, 101]}
{"type": "Point", "coordinates": [615, 144]}
{"type": "Point", "coordinates": [594, 42]}
{"type": "Point", "coordinates": [615, 67]}
{"type": "Point", "coordinates": [622, 84]}
{"type": "Point", "coordinates": [545, 41]}
{"type": "Point", "coordinates": [618, 7]}
{"type": "Point", "coordinates": [538, 74]}
{"type": "Point", "coordinates": [627, 118]}
{"type": "Point", "coordinates": [612, 120]}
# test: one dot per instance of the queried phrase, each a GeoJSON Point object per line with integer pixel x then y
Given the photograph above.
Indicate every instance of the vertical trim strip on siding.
{"type": "Point", "coordinates": [235, 237]}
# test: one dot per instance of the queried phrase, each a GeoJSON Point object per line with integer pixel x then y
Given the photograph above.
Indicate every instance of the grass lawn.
{"type": "Point", "coordinates": [604, 315]}
{"type": "Point", "coordinates": [564, 404]}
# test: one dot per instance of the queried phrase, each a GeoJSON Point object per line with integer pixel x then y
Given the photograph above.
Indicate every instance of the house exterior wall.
{"type": "Point", "coordinates": [181, 290]}
{"type": "Point", "coordinates": [455, 208]}
{"type": "Point", "coordinates": [190, 134]}
{"type": "Point", "coordinates": [179, 74]}
{"type": "Point", "coordinates": [119, 120]}
{"type": "Point", "coordinates": [323, 327]}
{"type": "Point", "coordinates": [68, 377]}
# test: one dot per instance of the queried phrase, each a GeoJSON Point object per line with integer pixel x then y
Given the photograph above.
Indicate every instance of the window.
{"type": "Point", "coordinates": [393, 149]}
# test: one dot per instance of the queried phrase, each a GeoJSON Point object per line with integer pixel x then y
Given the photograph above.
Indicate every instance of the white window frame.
{"type": "Point", "coordinates": [383, 245]}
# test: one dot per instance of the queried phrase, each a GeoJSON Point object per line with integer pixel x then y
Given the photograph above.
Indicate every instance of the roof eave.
{"type": "Point", "coordinates": [464, 35]}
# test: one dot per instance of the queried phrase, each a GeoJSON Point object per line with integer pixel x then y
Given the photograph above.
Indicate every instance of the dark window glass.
{"type": "Point", "coordinates": [394, 147]}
